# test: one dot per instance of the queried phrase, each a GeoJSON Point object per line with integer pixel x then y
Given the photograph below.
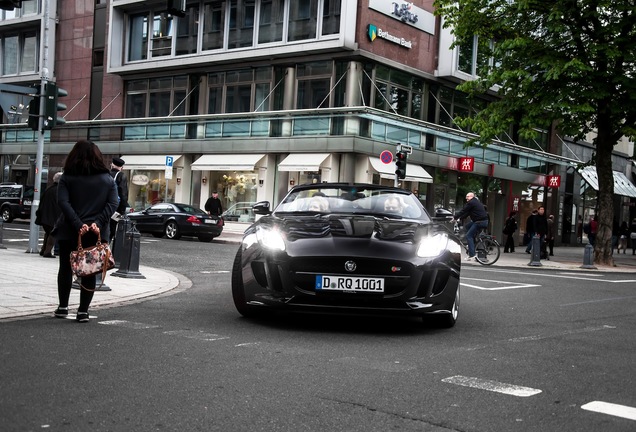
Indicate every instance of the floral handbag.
{"type": "Point", "coordinates": [91, 260]}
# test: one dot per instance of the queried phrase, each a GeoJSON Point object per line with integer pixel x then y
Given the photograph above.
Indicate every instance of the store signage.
{"type": "Point", "coordinates": [554, 181]}
{"type": "Point", "coordinates": [466, 164]}
{"type": "Point", "coordinates": [139, 179]}
{"type": "Point", "coordinates": [374, 32]}
{"type": "Point", "coordinates": [407, 13]}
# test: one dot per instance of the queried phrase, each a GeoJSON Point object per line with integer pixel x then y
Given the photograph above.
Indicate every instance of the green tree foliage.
{"type": "Point", "coordinates": [569, 63]}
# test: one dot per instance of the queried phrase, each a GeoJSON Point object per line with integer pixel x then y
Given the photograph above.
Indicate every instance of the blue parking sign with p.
{"type": "Point", "coordinates": [169, 160]}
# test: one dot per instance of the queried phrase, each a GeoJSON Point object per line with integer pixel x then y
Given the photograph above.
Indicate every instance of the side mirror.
{"type": "Point", "coordinates": [261, 208]}
{"type": "Point", "coordinates": [443, 214]}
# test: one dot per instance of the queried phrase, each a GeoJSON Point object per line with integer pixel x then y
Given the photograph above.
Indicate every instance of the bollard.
{"type": "Point", "coordinates": [535, 258]}
{"type": "Point", "coordinates": [118, 242]}
{"type": "Point", "coordinates": [588, 257]}
{"type": "Point", "coordinates": [1, 233]}
{"type": "Point", "coordinates": [129, 267]}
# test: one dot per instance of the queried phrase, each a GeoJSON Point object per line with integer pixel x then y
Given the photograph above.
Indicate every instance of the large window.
{"type": "Point", "coordinates": [156, 97]}
{"type": "Point", "coordinates": [271, 20]}
{"type": "Point", "coordinates": [398, 92]}
{"type": "Point", "coordinates": [28, 7]}
{"type": "Point", "coordinates": [229, 25]}
{"type": "Point", "coordinates": [19, 53]}
{"type": "Point", "coordinates": [238, 91]}
{"type": "Point", "coordinates": [314, 83]}
{"type": "Point", "coordinates": [474, 57]}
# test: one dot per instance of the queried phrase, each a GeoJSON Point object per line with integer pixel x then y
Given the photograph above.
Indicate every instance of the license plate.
{"type": "Point", "coordinates": [347, 283]}
{"type": "Point", "coordinates": [210, 221]}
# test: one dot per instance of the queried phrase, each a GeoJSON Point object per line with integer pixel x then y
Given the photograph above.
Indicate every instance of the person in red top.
{"type": "Point", "coordinates": [593, 228]}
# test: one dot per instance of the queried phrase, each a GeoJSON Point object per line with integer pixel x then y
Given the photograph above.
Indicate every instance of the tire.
{"type": "Point", "coordinates": [6, 214]}
{"type": "Point", "coordinates": [487, 251]}
{"type": "Point", "coordinates": [238, 289]}
{"type": "Point", "coordinates": [446, 320]}
{"type": "Point", "coordinates": [172, 231]}
{"type": "Point", "coordinates": [205, 238]}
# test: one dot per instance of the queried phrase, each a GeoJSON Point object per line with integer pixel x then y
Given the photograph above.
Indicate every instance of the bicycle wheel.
{"type": "Point", "coordinates": [487, 251]}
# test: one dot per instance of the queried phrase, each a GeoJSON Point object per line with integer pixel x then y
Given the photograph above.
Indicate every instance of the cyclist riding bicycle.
{"type": "Point", "coordinates": [478, 221]}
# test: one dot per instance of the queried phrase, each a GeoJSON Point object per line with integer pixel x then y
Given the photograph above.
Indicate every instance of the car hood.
{"type": "Point", "coordinates": [352, 226]}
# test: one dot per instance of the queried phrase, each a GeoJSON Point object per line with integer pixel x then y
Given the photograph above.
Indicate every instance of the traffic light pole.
{"type": "Point", "coordinates": [34, 230]}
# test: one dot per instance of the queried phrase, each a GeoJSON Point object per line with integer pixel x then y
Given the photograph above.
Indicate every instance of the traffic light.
{"type": "Point", "coordinates": [10, 4]}
{"type": "Point", "coordinates": [400, 164]}
{"type": "Point", "coordinates": [52, 106]}
{"type": "Point", "coordinates": [34, 111]}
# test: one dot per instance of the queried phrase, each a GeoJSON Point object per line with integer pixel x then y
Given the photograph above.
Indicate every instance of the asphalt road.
{"type": "Point", "coordinates": [533, 350]}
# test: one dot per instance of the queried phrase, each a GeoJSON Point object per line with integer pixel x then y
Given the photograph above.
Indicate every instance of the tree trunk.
{"type": "Point", "coordinates": [605, 198]}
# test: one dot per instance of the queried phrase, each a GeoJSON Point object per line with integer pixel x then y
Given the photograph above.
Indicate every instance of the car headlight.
{"type": "Point", "coordinates": [433, 246]}
{"type": "Point", "coordinates": [270, 238]}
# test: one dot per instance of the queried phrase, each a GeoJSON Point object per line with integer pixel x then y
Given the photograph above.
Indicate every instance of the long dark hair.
{"type": "Point", "coordinates": [85, 159]}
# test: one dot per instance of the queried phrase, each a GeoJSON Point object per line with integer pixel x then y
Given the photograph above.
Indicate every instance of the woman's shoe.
{"type": "Point", "coordinates": [61, 312]}
{"type": "Point", "coordinates": [82, 317]}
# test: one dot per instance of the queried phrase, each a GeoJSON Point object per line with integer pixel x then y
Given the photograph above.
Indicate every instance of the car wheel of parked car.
{"type": "Point", "coordinates": [172, 230]}
{"type": "Point", "coordinates": [446, 320]}
{"type": "Point", "coordinates": [238, 289]}
{"type": "Point", "coordinates": [6, 214]}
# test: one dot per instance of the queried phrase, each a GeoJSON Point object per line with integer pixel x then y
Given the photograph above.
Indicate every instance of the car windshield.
{"type": "Point", "coordinates": [353, 200]}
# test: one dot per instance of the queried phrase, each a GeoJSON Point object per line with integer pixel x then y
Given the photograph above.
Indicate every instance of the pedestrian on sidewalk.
{"type": "Point", "coordinates": [550, 235]}
{"type": "Point", "coordinates": [632, 236]}
{"type": "Point", "coordinates": [591, 236]}
{"type": "Point", "coordinates": [48, 212]}
{"type": "Point", "coordinates": [87, 196]}
{"type": "Point", "coordinates": [213, 205]}
{"type": "Point", "coordinates": [510, 226]}
{"type": "Point", "coordinates": [529, 230]}
{"type": "Point", "coordinates": [623, 234]}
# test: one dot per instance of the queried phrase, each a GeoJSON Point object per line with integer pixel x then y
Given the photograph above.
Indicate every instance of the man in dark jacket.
{"type": "Point", "coordinates": [116, 171]}
{"type": "Point", "coordinates": [48, 212]}
{"type": "Point", "coordinates": [530, 230]}
{"type": "Point", "coordinates": [213, 205]}
{"type": "Point", "coordinates": [540, 223]}
{"type": "Point", "coordinates": [478, 220]}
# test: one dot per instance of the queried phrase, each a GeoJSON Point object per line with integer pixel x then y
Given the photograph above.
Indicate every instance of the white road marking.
{"type": "Point", "coordinates": [214, 272]}
{"type": "Point", "coordinates": [514, 286]}
{"type": "Point", "coordinates": [190, 334]}
{"type": "Point", "coordinates": [581, 276]}
{"type": "Point", "coordinates": [493, 386]}
{"type": "Point", "coordinates": [611, 409]}
{"type": "Point", "coordinates": [565, 333]}
{"type": "Point", "coordinates": [128, 324]}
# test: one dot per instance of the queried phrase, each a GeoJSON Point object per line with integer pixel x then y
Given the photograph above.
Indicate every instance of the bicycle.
{"type": "Point", "coordinates": [487, 248]}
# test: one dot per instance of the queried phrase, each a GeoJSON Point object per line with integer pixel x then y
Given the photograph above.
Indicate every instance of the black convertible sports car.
{"type": "Point", "coordinates": [350, 248]}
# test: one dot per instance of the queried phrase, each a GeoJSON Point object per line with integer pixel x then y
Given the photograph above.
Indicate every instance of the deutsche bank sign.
{"type": "Point", "coordinates": [407, 13]}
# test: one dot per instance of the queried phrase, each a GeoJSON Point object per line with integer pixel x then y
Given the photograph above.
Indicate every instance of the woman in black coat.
{"type": "Point", "coordinates": [87, 197]}
{"type": "Point", "coordinates": [510, 226]}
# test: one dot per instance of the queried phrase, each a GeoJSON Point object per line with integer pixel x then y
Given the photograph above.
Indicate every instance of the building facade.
{"type": "Point", "coordinates": [250, 97]}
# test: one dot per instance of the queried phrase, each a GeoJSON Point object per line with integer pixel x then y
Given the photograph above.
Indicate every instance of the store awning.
{"type": "Point", "coordinates": [303, 162]}
{"type": "Point", "coordinates": [227, 162]}
{"type": "Point", "coordinates": [622, 185]}
{"type": "Point", "coordinates": [147, 162]}
{"type": "Point", "coordinates": [414, 172]}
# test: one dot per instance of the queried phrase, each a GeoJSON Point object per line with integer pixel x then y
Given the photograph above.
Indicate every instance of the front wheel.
{"type": "Point", "coordinates": [238, 289]}
{"type": "Point", "coordinates": [487, 251]}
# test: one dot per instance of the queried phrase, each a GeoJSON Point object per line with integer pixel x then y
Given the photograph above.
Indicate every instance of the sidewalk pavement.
{"type": "Point", "coordinates": [28, 282]}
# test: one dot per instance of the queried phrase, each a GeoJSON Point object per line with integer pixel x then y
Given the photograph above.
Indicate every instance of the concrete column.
{"type": "Point", "coordinates": [289, 98]}
{"type": "Point", "coordinates": [353, 96]}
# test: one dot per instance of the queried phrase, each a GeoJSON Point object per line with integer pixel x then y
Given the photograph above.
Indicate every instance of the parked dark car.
{"type": "Point", "coordinates": [176, 220]}
{"type": "Point", "coordinates": [15, 201]}
{"type": "Point", "coordinates": [353, 248]}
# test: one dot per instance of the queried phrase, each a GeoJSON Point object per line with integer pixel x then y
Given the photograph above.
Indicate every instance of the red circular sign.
{"type": "Point", "coordinates": [386, 157]}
